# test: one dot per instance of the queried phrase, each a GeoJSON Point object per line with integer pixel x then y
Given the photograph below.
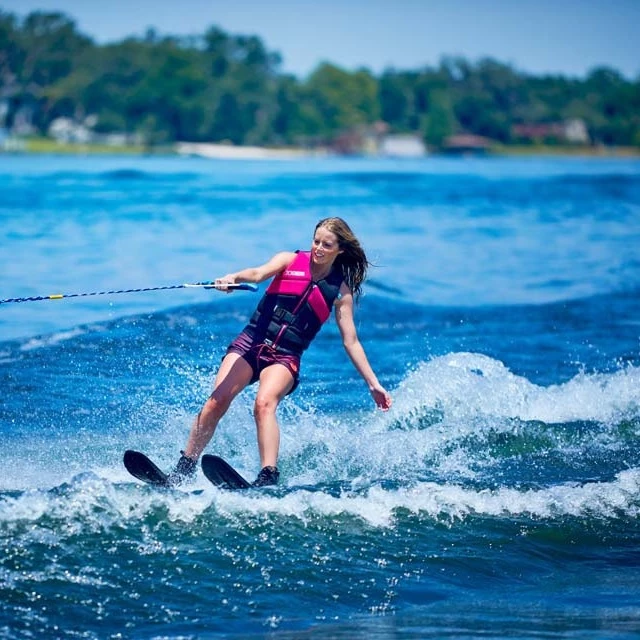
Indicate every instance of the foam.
{"type": "Point", "coordinates": [57, 337]}
{"type": "Point", "coordinates": [463, 385]}
{"type": "Point", "coordinates": [447, 415]}
{"type": "Point", "coordinates": [90, 504]}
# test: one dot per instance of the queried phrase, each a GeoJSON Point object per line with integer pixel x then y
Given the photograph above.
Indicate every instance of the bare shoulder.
{"type": "Point", "coordinates": [282, 259]}
{"type": "Point", "coordinates": [285, 256]}
{"type": "Point", "coordinates": [276, 263]}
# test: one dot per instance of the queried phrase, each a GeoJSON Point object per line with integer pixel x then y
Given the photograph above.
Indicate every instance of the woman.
{"type": "Point", "coordinates": [298, 300]}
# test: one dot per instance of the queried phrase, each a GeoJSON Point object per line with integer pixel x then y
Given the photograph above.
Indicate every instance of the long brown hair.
{"type": "Point", "coordinates": [352, 261]}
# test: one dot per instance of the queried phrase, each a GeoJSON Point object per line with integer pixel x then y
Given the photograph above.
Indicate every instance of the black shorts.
{"type": "Point", "coordinates": [259, 356]}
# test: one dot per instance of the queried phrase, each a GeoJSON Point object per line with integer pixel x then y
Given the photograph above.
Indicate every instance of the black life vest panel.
{"type": "Point", "coordinates": [294, 307]}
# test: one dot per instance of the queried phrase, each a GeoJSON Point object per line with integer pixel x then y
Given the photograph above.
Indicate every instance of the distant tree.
{"type": "Point", "coordinates": [114, 85]}
{"type": "Point", "coordinates": [11, 54]}
{"type": "Point", "coordinates": [440, 121]}
{"type": "Point", "coordinates": [395, 96]}
{"type": "Point", "coordinates": [35, 55]}
{"type": "Point", "coordinates": [288, 125]}
{"type": "Point", "coordinates": [343, 100]}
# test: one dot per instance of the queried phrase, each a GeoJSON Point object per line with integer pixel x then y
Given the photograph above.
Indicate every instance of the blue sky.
{"type": "Point", "coordinates": [544, 36]}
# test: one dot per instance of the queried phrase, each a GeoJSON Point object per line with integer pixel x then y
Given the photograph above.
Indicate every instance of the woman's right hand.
{"type": "Point", "coordinates": [221, 283]}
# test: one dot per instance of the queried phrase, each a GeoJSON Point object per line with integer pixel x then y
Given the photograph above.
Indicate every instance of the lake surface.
{"type": "Point", "coordinates": [498, 498]}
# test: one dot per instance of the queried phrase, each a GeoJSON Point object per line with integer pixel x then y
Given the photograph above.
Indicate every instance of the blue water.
{"type": "Point", "coordinates": [499, 497]}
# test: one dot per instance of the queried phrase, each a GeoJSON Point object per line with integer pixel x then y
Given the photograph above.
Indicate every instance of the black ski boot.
{"type": "Point", "coordinates": [184, 472]}
{"type": "Point", "coordinates": [267, 477]}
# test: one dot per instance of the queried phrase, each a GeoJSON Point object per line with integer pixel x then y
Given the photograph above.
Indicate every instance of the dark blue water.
{"type": "Point", "coordinates": [498, 498]}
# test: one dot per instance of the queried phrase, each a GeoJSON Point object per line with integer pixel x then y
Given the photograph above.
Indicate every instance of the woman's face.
{"type": "Point", "coordinates": [325, 247]}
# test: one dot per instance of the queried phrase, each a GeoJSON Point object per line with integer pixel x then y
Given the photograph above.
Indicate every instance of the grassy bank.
{"type": "Point", "coordinates": [46, 145]}
{"type": "Point", "coordinates": [41, 145]}
{"type": "Point", "coordinates": [566, 150]}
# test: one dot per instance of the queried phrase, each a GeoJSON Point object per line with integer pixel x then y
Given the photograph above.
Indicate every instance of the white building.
{"type": "Point", "coordinates": [402, 146]}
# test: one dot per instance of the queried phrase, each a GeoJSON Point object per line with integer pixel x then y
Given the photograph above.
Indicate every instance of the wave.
{"type": "Point", "coordinates": [119, 174]}
{"type": "Point", "coordinates": [463, 416]}
{"type": "Point", "coordinates": [615, 178]}
{"type": "Point", "coordinates": [127, 174]}
{"type": "Point", "coordinates": [465, 385]}
{"type": "Point", "coordinates": [90, 503]}
{"type": "Point", "coordinates": [55, 338]}
{"type": "Point", "coordinates": [622, 304]}
{"type": "Point", "coordinates": [453, 183]}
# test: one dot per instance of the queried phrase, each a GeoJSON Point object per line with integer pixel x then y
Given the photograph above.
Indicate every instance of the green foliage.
{"type": "Point", "coordinates": [440, 121]}
{"type": "Point", "coordinates": [342, 100]}
{"type": "Point", "coordinates": [223, 87]}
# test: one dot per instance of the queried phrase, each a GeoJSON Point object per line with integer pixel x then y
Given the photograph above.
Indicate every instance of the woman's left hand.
{"type": "Point", "coordinates": [382, 398]}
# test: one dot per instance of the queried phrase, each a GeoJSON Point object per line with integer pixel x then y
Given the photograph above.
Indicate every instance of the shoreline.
{"type": "Point", "coordinates": [223, 151]}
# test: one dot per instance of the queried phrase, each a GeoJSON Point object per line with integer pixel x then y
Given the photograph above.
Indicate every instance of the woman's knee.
{"type": "Point", "coordinates": [216, 404]}
{"type": "Point", "coordinates": [265, 405]}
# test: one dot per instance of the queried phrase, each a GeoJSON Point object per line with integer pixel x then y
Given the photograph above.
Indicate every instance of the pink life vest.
{"type": "Point", "coordinates": [294, 307]}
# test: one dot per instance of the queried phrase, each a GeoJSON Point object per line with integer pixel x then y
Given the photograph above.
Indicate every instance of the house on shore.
{"type": "Point", "coordinates": [402, 146]}
{"type": "Point", "coordinates": [573, 131]}
{"type": "Point", "coordinates": [375, 140]}
{"type": "Point", "coordinates": [467, 144]}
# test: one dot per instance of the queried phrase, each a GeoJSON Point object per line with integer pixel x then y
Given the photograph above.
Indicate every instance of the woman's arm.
{"type": "Point", "coordinates": [355, 350]}
{"type": "Point", "coordinates": [257, 274]}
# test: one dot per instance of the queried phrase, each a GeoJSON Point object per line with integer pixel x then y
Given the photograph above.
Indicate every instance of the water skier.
{"type": "Point", "coordinates": [305, 287]}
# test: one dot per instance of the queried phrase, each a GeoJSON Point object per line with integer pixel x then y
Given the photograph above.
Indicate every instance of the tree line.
{"type": "Point", "coordinates": [222, 87]}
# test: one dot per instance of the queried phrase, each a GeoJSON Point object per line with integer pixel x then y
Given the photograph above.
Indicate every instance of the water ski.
{"type": "Point", "coordinates": [222, 474]}
{"type": "Point", "coordinates": [140, 467]}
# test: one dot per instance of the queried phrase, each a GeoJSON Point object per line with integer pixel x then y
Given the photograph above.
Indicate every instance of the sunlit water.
{"type": "Point", "coordinates": [498, 498]}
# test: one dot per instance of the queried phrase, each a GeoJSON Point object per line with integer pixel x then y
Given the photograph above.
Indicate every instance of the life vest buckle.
{"type": "Point", "coordinates": [282, 314]}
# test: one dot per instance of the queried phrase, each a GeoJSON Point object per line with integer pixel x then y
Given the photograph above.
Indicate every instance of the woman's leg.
{"type": "Point", "coordinates": [234, 375]}
{"type": "Point", "coordinates": [275, 382]}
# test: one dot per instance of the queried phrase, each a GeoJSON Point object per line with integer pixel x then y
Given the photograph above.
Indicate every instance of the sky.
{"type": "Point", "coordinates": [568, 37]}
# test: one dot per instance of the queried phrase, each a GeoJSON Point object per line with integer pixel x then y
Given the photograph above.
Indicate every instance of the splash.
{"type": "Point", "coordinates": [467, 385]}
{"type": "Point", "coordinates": [90, 504]}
